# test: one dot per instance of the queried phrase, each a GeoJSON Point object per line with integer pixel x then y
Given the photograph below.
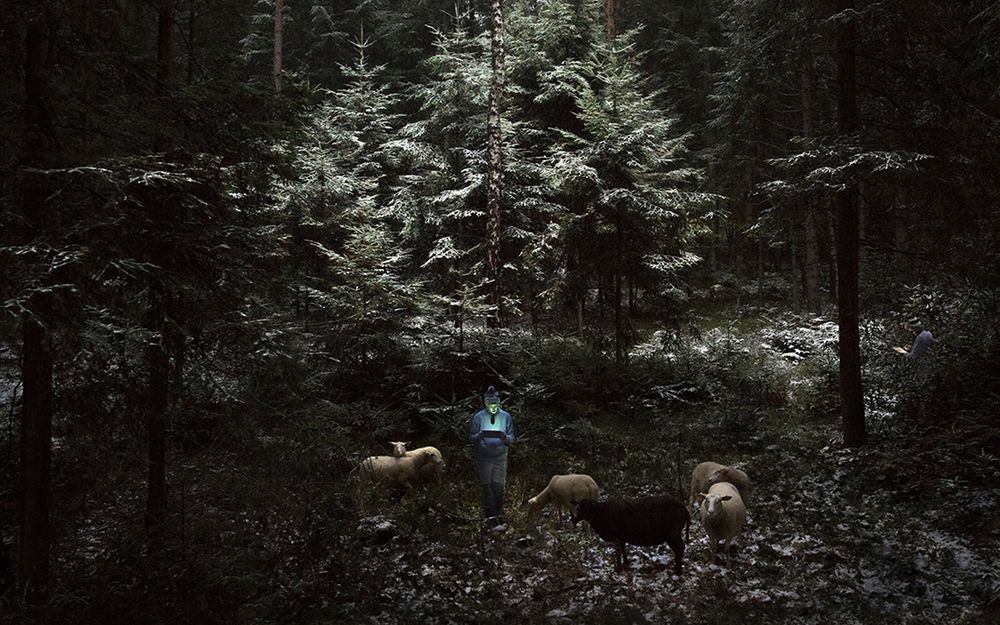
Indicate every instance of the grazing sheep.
{"type": "Point", "coordinates": [401, 471]}
{"type": "Point", "coordinates": [561, 490]}
{"type": "Point", "coordinates": [646, 522]}
{"type": "Point", "coordinates": [430, 469]}
{"type": "Point", "coordinates": [708, 473]}
{"type": "Point", "coordinates": [722, 515]}
{"type": "Point", "coordinates": [735, 477]}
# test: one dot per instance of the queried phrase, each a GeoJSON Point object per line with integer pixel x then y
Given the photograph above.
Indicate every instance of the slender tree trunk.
{"type": "Point", "coordinates": [600, 297]}
{"type": "Point", "coordinates": [36, 401]}
{"type": "Point", "coordinates": [581, 288]}
{"type": "Point", "coordinates": [164, 34]}
{"type": "Point", "coordinates": [190, 45]}
{"type": "Point", "coordinates": [852, 402]}
{"type": "Point", "coordinates": [811, 258]}
{"type": "Point", "coordinates": [279, 7]}
{"type": "Point", "coordinates": [760, 272]}
{"type": "Point", "coordinates": [811, 240]}
{"type": "Point", "coordinates": [158, 364]}
{"type": "Point", "coordinates": [713, 250]}
{"type": "Point", "coordinates": [494, 148]}
{"type": "Point", "coordinates": [831, 238]}
{"type": "Point", "coordinates": [619, 333]}
{"type": "Point", "coordinates": [609, 15]}
{"type": "Point", "coordinates": [87, 87]}
{"type": "Point", "coordinates": [633, 309]}
{"type": "Point", "coordinates": [899, 215]}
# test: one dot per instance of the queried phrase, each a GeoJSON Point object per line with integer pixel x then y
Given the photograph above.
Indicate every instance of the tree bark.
{"type": "Point", "coordinates": [609, 15]}
{"type": "Point", "coordinates": [851, 395]}
{"type": "Point", "coordinates": [36, 406]}
{"type": "Point", "coordinates": [158, 364]}
{"type": "Point", "coordinates": [494, 148]}
{"type": "Point", "coordinates": [579, 289]}
{"type": "Point", "coordinates": [279, 7]}
{"type": "Point", "coordinates": [164, 32]}
{"type": "Point", "coordinates": [190, 45]}
{"type": "Point", "coordinates": [811, 241]}
{"type": "Point", "coordinates": [619, 333]}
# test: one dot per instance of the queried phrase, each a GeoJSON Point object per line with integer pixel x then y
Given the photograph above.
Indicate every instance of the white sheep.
{"type": "Point", "coordinates": [708, 473]}
{"type": "Point", "coordinates": [561, 490]}
{"type": "Point", "coordinates": [430, 469]}
{"type": "Point", "coordinates": [722, 515]}
{"type": "Point", "coordinates": [401, 471]}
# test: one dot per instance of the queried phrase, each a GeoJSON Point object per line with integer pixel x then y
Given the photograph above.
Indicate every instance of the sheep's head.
{"type": "Point", "coordinates": [533, 506]}
{"type": "Point", "coordinates": [582, 510]}
{"type": "Point", "coordinates": [723, 474]}
{"type": "Point", "coordinates": [398, 447]}
{"type": "Point", "coordinates": [428, 457]}
{"type": "Point", "coordinates": [712, 504]}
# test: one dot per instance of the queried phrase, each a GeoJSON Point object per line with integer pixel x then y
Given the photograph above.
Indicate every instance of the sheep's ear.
{"type": "Point", "coordinates": [702, 496]}
{"type": "Point", "coordinates": [725, 498]}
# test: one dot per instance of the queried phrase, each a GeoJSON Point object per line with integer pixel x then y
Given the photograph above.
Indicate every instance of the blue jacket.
{"type": "Point", "coordinates": [490, 447]}
{"type": "Point", "coordinates": [920, 345]}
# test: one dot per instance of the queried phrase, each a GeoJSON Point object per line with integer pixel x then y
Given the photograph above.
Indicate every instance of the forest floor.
{"type": "Point", "coordinates": [834, 535]}
{"type": "Point", "coordinates": [817, 549]}
{"type": "Point", "coordinates": [268, 528]}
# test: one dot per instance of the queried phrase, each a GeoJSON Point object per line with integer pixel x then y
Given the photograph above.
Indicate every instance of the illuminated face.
{"type": "Point", "coordinates": [493, 407]}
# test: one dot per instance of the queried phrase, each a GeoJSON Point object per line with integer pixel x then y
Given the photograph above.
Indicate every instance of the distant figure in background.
{"type": "Point", "coordinates": [921, 343]}
{"type": "Point", "coordinates": [492, 431]}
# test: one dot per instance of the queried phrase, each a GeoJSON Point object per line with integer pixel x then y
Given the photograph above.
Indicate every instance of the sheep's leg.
{"type": "Point", "coordinates": [619, 555]}
{"type": "Point", "coordinates": [730, 547]}
{"type": "Point", "coordinates": [713, 545]}
{"type": "Point", "coordinates": [677, 546]}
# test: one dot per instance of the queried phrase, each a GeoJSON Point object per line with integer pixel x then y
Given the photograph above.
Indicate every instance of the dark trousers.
{"type": "Point", "coordinates": [492, 474]}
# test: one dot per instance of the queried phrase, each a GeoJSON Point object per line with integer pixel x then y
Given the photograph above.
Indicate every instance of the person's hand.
{"type": "Point", "coordinates": [900, 350]}
{"type": "Point", "coordinates": [479, 435]}
{"type": "Point", "coordinates": [503, 436]}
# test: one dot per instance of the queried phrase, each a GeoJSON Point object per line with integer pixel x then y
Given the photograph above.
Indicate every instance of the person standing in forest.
{"type": "Point", "coordinates": [491, 433]}
{"type": "Point", "coordinates": [924, 339]}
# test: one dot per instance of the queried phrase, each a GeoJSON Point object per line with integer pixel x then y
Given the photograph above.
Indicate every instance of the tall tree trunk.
{"type": "Point", "coordinates": [619, 333]}
{"type": "Point", "coordinates": [494, 148]}
{"type": "Point", "coordinates": [158, 364]}
{"type": "Point", "coordinates": [279, 7]}
{"type": "Point", "coordinates": [164, 33]}
{"type": "Point", "coordinates": [811, 240]}
{"type": "Point", "coordinates": [190, 45]}
{"type": "Point", "coordinates": [899, 220]}
{"type": "Point", "coordinates": [851, 396]}
{"type": "Point", "coordinates": [88, 86]}
{"type": "Point", "coordinates": [36, 403]}
{"type": "Point", "coordinates": [609, 15]}
{"type": "Point", "coordinates": [633, 308]}
{"type": "Point", "coordinates": [156, 355]}
{"type": "Point", "coordinates": [581, 288]}
{"type": "Point", "coordinates": [831, 239]}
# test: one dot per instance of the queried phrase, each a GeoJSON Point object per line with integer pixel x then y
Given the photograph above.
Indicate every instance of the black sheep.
{"type": "Point", "coordinates": [646, 522]}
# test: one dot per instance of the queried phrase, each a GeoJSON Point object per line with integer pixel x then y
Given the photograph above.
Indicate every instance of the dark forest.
{"type": "Point", "coordinates": [489, 311]}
